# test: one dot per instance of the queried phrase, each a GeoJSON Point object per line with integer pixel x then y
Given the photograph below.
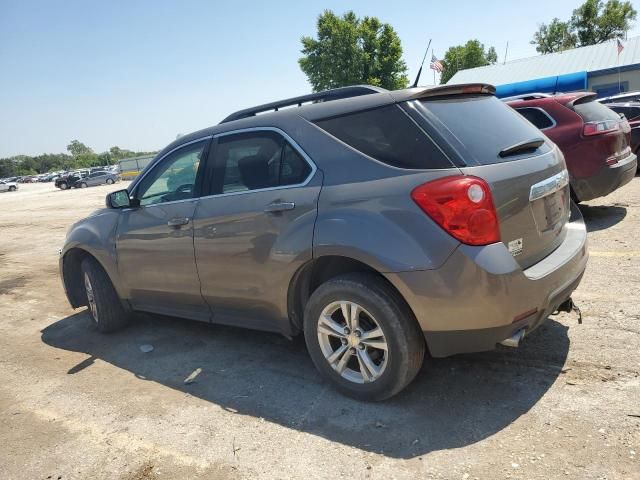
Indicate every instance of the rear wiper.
{"type": "Point", "coordinates": [528, 146]}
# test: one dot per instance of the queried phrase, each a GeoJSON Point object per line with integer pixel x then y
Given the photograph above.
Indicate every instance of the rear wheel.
{"type": "Point", "coordinates": [63, 186]}
{"type": "Point", "coordinates": [109, 181]}
{"type": "Point", "coordinates": [362, 338]}
{"type": "Point", "coordinates": [12, 188]}
{"type": "Point", "coordinates": [83, 185]}
{"type": "Point", "coordinates": [104, 304]}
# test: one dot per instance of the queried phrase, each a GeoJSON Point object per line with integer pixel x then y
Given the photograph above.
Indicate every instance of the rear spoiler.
{"type": "Point", "coordinates": [449, 90]}
{"type": "Point", "coordinates": [589, 97]}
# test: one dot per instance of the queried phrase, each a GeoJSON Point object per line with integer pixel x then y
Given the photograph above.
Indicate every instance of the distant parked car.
{"type": "Point", "coordinates": [68, 180]}
{"type": "Point", "coordinates": [631, 111]}
{"type": "Point", "coordinates": [6, 186]}
{"type": "Point", "coordinates": [594, 139]}
{"type": "Point", "coordinates": [99, 177]}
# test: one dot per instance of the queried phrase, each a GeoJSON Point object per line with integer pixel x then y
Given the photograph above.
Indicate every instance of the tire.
{"type": "Point", "coordinates": [381, 306]}
{"type": "Point", "coordinates": [83, 185]}
{"type": "Point", "coordinates": [105, 307]}
{"type": "Point", "coordinates": [109, 181]}
{"type": "Point", "coordinates": [63, 186]}
{"type": "Point", "coordinates": [12, 188]}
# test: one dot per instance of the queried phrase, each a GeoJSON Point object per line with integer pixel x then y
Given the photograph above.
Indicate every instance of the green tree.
{"type": "Point", "coordinates": [470, 55]}
{"type": "Point", "coordinates": [77, 148]}
{"type": "Point", "coordinates": [592, 22]}
{"type": "Point", "coordinates": [555, 37]}
{"type": "Point", "coordinates": [350, 51]}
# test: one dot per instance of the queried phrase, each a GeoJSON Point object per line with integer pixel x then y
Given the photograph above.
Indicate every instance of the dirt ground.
{"type": "Point", "coordinates": [78, 404]}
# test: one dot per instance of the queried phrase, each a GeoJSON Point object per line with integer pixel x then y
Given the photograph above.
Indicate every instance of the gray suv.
{"type": "Point", "coordinates": [381, 224]}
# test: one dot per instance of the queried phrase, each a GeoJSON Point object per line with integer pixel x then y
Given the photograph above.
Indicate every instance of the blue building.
{"type": "Point", "coordinates": [596, 68]}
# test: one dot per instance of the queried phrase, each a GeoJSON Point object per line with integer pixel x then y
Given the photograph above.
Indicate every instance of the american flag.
{"type": "Point", "coordinates": [620, 47]}
{"type": "Point", "coordinates": [436, 64]}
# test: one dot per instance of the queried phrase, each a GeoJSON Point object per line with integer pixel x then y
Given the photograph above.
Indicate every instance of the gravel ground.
{"type": "Point", "coordinates": [78, 404]}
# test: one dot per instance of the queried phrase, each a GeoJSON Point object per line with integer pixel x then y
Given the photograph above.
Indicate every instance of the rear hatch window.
{"type": "Point", "coordinates": [592, 111]}
{"type": "Point", "coordinates": [482, 126]}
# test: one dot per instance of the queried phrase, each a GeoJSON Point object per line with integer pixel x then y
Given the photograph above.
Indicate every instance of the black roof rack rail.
{"type": "Point", "coordinates": [325, 96]}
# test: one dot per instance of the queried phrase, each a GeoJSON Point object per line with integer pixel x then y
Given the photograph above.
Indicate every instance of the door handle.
{"type": "Point", "coordinates": [178, 222]}
{"type": "Point", "coordinates": [279, 207]}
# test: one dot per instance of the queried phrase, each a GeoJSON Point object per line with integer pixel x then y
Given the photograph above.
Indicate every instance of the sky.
{"type": "Point", "coordinates": [137, 73]}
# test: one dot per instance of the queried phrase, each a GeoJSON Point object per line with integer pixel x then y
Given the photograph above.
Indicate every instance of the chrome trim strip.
{"type": "Point", "coordinates": [549, 185]}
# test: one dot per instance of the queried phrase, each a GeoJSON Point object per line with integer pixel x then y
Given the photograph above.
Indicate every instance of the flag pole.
{"type": "Point", "coordinates": [434, 71]}
{"type": "Point", "coordinates": [619, 91]}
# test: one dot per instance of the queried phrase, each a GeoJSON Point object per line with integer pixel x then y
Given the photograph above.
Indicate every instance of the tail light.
{"type": "Point", "coordinates": [462, 206]}
{"type": "Point", "coordinates": [597, 128]}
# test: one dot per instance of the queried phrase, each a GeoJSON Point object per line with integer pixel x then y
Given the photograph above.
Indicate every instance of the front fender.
{"type": "Point", "coordinates": [96, 236]}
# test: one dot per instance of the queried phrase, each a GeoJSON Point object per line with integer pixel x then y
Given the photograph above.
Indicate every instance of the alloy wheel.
{"type": "Point", "coordinates": [91, 297]}
{"type": "Point", "coordinates": [352, 342]}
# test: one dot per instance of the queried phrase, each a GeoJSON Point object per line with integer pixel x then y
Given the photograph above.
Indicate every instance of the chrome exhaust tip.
{"type": "Point", "coordinates": [514, 340]}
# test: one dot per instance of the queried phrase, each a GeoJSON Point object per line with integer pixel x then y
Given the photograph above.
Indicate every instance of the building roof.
{"type": "Point", "coordinates": [593, 58]}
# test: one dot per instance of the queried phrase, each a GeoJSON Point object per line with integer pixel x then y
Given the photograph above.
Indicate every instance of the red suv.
{"type": "Point", "coordinates": [595, 140]}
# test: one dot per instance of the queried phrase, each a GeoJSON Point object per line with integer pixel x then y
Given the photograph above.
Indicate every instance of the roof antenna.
{"type": "Point", "coordinates": [415, 84]}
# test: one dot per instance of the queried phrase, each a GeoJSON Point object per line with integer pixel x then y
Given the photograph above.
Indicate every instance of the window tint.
{"type": "Point", "coordinates": [388, 135]}
{"type": "Point", "coordinates": [536, 116]}
{"type": "Point", "coordinates": [483, 125]}
{"type": "Point", "coordinates": [174, 178]}
{"type": "Point", "coordinates": [592, 111]}
{"type": "Point", "coordinates": [256, 160]}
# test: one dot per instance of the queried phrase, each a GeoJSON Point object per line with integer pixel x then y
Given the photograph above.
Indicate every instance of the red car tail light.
{"type": "Point", "coordinates": [597, 128]}
{"type": "Point", "coordinates": [462, 206]}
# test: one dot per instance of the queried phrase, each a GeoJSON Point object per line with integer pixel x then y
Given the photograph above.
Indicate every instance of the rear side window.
{"type": "Point", "coordinates": [536, 116]}
{"type": "Point", "coordinates": [388, 135]}
{"type": "Point", "coordinates": [257, 160]}
{"type": "Point", "coordinates": [483, 125]}
{"type": "Point", "coordinates": [592, 111]}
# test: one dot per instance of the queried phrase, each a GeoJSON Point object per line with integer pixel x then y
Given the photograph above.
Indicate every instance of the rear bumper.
{"type": "Point", "coordinates": [609, 178]}
{"type": "Point", "coordinates": [481, 296]}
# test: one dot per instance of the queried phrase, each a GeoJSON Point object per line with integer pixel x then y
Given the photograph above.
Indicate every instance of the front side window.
{"type": "Point", "coordinates": [258, 160]}
{"type": "Point", "coordinates": [174, 178]}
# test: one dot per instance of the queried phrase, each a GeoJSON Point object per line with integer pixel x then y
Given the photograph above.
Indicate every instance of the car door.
{"type": "Point", "coordinates": [155, 240]}
{"type": "Point", "coordinates": [255, 229]}
{"type": "Point", "coordinates": [98, 178]}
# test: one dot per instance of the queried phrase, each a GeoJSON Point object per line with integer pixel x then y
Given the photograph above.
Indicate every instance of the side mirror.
{"type": "Point", "coordinates": [121, 199]}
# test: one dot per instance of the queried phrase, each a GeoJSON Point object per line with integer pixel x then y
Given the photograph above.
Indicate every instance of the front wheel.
{"type": "Point", "coordinates": [105, 306]}
{"type": "Point", "coordinates": [83, 185]}
{"type": "Point", "coordinates": [109, 181]}
{"type": "Point", "coordinates": [362, 338]}
{"type": "Point", "coordinates": [63, 186]}
{"type": "Point", "coordinates": [12, 188]}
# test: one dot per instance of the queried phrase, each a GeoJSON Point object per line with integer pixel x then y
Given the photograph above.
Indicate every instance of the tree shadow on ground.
{"type": "Point", "coordinates": [452, 403]}
{"type": "Point", "coordinates": [601, 217]}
